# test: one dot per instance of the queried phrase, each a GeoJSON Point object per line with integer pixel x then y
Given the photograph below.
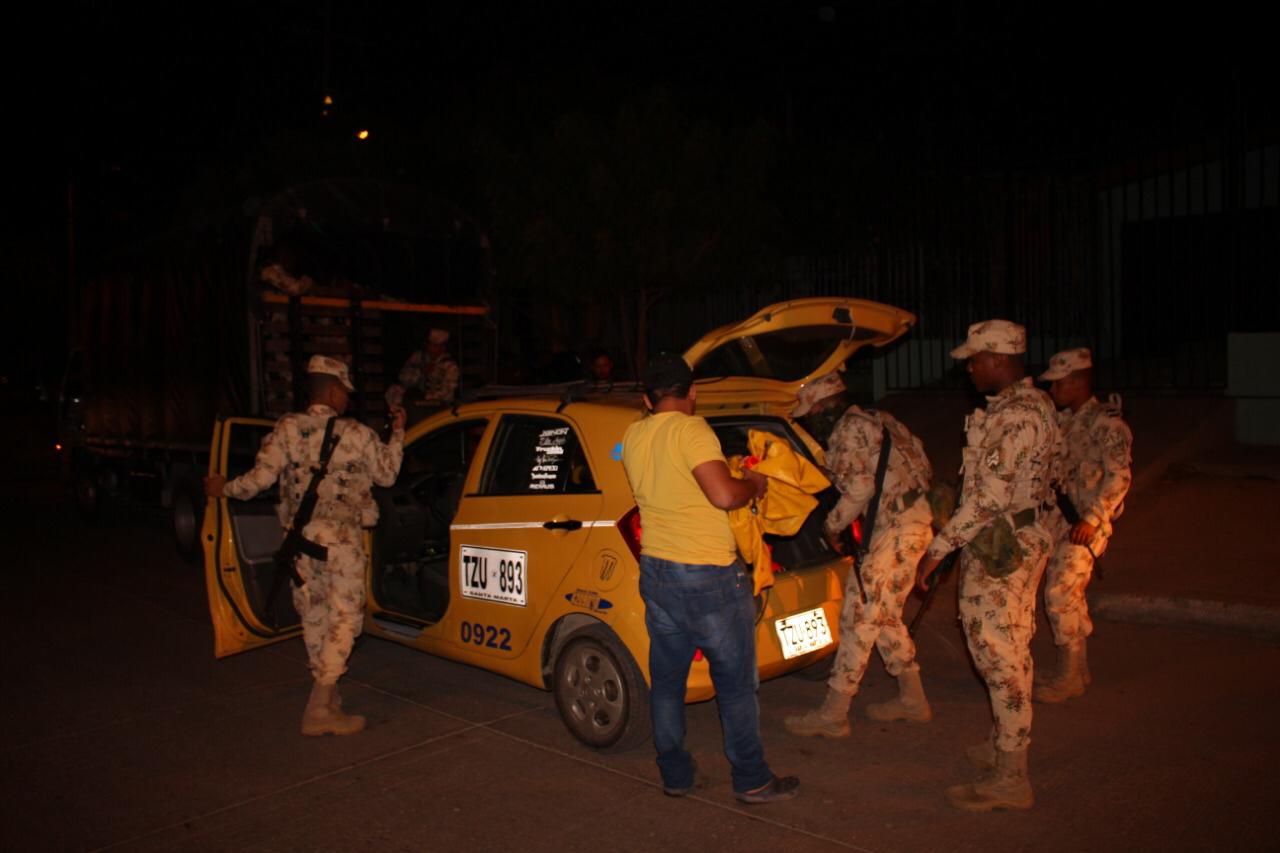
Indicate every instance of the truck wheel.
{"type": "Point", "coordinates": [188, 518]}
{"type": "Point", "coordinates": [600, 693]}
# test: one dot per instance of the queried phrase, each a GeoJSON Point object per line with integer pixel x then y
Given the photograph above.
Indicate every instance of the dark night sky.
{"type": "Point", "coordinates": [157, 89]}
{"type": "Point", "coordinates": [138, 102]}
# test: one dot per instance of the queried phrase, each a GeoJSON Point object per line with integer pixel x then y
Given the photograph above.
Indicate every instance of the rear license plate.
{"type": "Point", "coordinates": [801, 633]}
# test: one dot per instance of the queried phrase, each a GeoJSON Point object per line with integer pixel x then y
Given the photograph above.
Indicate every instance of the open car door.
{"type": "Point", "coordinates": [780, 348]}
{"type": "Point", "coordinates": [249, 606]}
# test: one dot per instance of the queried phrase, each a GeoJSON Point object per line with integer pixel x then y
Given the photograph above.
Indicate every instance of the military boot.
{"type": "Point", "coordinates": [910, 705]}
{"type": "Point", "coordinates": [324, 715]}
{"type": "Point", "coordinates": [982, 755]}
{"type": "Point", "coordinates": [1006, 786]}
{"type": "Point", "coordinates": [830, 719]}
{"type": "Point", "coordinates": [1070, 679]}
{"type": "Point", "coordinates": [1047, 674]}
{"type": "Point", "coordinates": [1051, 674]}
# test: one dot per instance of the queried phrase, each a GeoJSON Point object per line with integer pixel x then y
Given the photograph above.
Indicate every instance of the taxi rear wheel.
{"type": "Point", "coordinates": [600, 693]}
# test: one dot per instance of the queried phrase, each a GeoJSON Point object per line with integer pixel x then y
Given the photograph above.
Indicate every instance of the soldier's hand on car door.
{"type": "Point", "coordinates": [213, 485]}
{"type": "Point", "coordinates": [398, 417]}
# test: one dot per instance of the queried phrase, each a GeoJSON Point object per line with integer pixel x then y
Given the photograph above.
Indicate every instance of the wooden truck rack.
{"type": "Point", "coordinates": [291, 329]}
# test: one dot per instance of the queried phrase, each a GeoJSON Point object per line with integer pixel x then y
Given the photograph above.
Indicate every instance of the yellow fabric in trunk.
{"type": "Point", "coordinates": [793, 482]}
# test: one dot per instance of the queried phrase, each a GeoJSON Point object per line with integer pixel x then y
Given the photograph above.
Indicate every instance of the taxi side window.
{"type": "Point", "coordinates": [536, 456]}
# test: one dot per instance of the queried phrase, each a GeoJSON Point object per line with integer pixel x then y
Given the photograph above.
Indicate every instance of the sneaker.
{"type": "Point", "coordinates": [777, 788]}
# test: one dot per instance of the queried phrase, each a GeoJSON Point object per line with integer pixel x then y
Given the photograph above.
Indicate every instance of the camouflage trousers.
{"type": "Point", "coordinates": [888, 574]}
{"type": "Point", "coordinates": [1065, 582]}
{"type": "Point", "coordinates": [999, 619]}
{"type": "Point", "coordinates": [330, 601]}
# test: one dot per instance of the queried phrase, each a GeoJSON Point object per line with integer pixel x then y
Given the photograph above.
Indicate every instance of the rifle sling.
{"type": "Point", "coordinates": [307, 506]}
{"type": "Point", "coordinates": [873, 508]}
{"type": "Point", "coordinates": [312, 550]}
{"type": "Point", "coordinates": [869, 514]}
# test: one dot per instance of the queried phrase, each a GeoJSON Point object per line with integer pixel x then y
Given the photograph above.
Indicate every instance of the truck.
{"type": "Point", "coordinates": [220, 316]}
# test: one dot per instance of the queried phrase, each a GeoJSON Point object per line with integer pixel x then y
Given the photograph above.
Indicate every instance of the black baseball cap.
{"type": "Point", "coordinates": [667, 370]}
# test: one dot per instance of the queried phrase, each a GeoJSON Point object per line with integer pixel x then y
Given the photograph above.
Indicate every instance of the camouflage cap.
{"type": "Point", "coordinates": [332, 367]}
{"type": "Point", "coordinates": [815, 392]}
{"type": "Point", "coordinates": [993, 336]}
{"type": "Point", "coordinates": [1067, 362]}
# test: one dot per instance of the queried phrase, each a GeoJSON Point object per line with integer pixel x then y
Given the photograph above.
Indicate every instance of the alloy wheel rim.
{"type": "Point", "coordinates": [595, 692]}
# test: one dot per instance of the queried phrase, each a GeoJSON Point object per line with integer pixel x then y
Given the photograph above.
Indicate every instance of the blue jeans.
{"type": "Point", "coordinates": [690, 607]}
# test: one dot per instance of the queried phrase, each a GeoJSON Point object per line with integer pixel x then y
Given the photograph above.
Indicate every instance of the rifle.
{"type": "Point", "coordinates": [1072, 516]}
{"type": "Point", "coordinates": [295, 545]}
{"type": "Point", "coordinates": [939, 575]}
{"type": "Point", "coordinates": [945, 568]}
{"type": "Point", "coordinates": [850, 546]}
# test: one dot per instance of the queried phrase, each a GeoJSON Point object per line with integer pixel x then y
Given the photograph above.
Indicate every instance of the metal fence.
{"type": "Point", "coordinates": [1149, 260]}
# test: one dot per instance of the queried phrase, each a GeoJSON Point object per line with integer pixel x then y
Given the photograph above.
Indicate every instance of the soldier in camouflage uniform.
{"type": "Point", "coordinates": [330, 601]}
{"type": "Point", "coordinates": [1095, 477]}
{"type": "Point", "coordinates": [902, 531]}
{"type": "Point", "coordinates": [1009, 462]}
{"type": "Point", "coordinates": [430, 371]}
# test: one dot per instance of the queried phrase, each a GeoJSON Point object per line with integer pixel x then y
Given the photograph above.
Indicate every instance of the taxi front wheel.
{"type": "Point", "coordinates": [188, 517]}
{"type": "Point", "coordinates": [600, 693]}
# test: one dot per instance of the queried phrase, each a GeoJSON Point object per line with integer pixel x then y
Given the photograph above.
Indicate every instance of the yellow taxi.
{"type": "Point", "coordinates": [511, 539]}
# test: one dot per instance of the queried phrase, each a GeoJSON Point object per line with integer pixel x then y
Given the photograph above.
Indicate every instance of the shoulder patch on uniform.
{"type": "Point", "coordinates": [992, 459]}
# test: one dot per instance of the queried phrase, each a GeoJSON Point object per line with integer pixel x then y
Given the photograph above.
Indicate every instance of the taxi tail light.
{"type": "Point", "coordinates": [774, 565]}
{"type": "Point", "coordinates": [629, 527]}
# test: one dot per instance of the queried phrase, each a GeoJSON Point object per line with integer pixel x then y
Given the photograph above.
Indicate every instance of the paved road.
{"type": "Point", "coordinates": [120, 731]}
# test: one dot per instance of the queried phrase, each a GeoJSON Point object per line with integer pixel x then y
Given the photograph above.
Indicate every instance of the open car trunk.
{"type": "Point", "coordinates": [808, 549]}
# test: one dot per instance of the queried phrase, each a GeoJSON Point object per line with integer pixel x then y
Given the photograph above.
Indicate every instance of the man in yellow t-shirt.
{"type": "Point", "coordinates": [696, 592]}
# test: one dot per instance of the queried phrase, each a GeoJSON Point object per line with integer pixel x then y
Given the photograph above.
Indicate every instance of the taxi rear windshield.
{"type": "Point", "coordinates": [787, 355]}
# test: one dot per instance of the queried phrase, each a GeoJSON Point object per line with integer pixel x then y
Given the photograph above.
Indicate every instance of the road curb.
{"type": "Point", "coordinates": [1255, 620]}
